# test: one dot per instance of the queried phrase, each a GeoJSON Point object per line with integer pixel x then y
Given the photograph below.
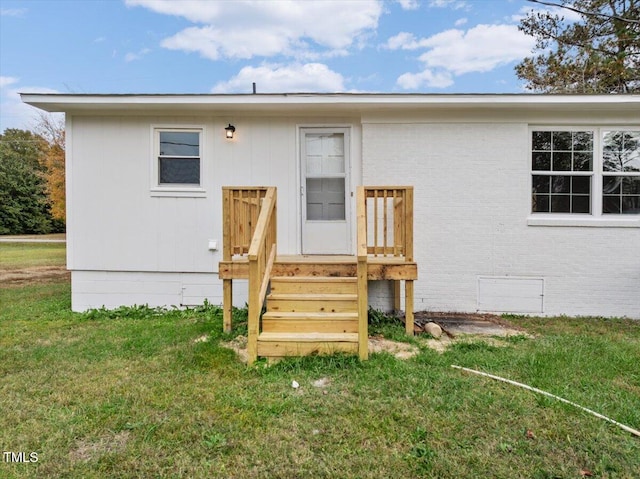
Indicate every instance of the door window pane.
{"type": "Point", "coordinates": [325, 154]}
{"type": "Point", "coordinates": [325, 199]}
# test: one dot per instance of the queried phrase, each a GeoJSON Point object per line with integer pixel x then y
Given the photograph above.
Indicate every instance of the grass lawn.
{"type": "Point", "coordinates": [140, 394]}
{"type": "Point", "coordinates": [27, 255]}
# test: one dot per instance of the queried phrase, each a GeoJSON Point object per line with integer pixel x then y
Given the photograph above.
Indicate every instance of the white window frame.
{"type": "Point", "coordinates": [175, 190]}
{"type": "Point", "coordinates": [596, 218]}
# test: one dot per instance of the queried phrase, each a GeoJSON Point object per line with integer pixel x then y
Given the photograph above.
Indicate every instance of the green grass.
{"type": "Point", "coordinates": [134, 394]}
{"type": "Point", "coordinates": [25, 255]}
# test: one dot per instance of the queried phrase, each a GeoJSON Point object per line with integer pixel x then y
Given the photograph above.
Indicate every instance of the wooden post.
{"type": "Point", "coordinates": [255, 308]}
{"type": "Point", "coordinates": [363, 299]}
{"type": "Point", "coordinates": [363, 310]}
{"type": "Point", "coordinates": [227, 305]}
{"type": "Point", "coordinates": [227, 284]}
{"type": "Point", "coordinates": [408, 224]}
{"type": "Point", "coordinates": [396, 295]}
{"type": "Point", "coordinates": [408, 252]}
{"type": "Point", "coordinates": [408, 306]}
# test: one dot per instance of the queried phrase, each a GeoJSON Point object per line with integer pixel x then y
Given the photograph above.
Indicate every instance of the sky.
{"type": "Point", "coordinates": [223, 46]}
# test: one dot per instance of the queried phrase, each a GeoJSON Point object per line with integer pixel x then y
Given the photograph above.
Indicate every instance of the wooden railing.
{"type": "Point", "coordinates": [249, 216]}
{"type": "Point", "coordinates": [262, 254]}
{"type": "Point", "coordinates": [385, 228]}
{"type": "Point", "coordinates": [240, 210]}
{"type": "Point", "coordinates": [389, 213]}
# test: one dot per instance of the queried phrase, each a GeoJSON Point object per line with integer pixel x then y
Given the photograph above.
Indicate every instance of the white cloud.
{"type": "Point", "coordinates": [13, 12]}
{"type": "Point", "coordinates": [480, 49]}
{"type": "Point", "coordinates": [409, 4]}
{"type": "Point", "coordinates": [403, 41]}
{"type": "Point", "coordinates": [456, 52]}
{"type": "Point", "coordinates": [309, 77]}
{"type": "Point", "coordinates": [455, 4]}
{"type": "Point", "coordinates": [129, 57]}
{"type": "Point", "coordinates": [461, 21]}
{"type": "Point", "coordinates": [426, 78]}
{"type": "Point", "coordinates": [248, 28]}
{"type": "Point", "coordinates": [14, 113]}
{"type": "Point", "coordinates": [6, 81]}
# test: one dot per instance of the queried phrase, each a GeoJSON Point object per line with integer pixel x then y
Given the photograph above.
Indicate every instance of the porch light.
{"type": "Point", "coordinates": [230, 130]}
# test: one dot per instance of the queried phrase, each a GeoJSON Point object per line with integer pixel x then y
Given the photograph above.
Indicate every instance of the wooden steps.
{"type": "Point", "coordinates": [277, 345]}
{"type": "Point", "coordinates": [310, 315]}
{"type": "Point", "coordinates": [320, 322]}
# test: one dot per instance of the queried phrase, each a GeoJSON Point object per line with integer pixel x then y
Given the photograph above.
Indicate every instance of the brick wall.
{"type": "Point", "coordinates": [472, 201]}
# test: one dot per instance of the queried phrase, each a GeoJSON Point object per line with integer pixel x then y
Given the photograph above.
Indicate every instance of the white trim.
{"type": "Point", "coordinates": [175, 190]}
{"type": "Point", "coordinates": [68, 151]}
{"type": "Point", "coordinates": [583, 221]}
{"type": "Point", "coordinates": [171, 192]}
{"type": "Point", "coordinates": [347, 130]}
{"type": "Point", "coordinates": [42, 100]}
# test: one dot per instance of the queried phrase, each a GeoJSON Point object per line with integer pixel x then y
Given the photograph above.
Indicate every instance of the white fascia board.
{"type": "Point", "coordinates": [321, 102]}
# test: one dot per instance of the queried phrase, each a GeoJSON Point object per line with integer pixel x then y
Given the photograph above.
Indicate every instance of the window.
{"type": "Point", "coordinates": [177, 160]}
{"type": "Point", "coordinates": [179, 157]}
{"type": "Point", "coordinates": [590, 171]}
{"type": "Point", "coordinates": [562, 164]}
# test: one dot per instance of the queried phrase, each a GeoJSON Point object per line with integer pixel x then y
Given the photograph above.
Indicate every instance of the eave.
{"type": "Point", "coordinates": [324, 103]}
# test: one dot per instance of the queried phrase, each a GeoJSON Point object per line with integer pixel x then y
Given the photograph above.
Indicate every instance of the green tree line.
{"type": "Point", "coordinates": [32, 180]}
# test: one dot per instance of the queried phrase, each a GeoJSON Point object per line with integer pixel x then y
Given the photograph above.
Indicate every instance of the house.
{"type": "Point", "coordinates": [524, 204]}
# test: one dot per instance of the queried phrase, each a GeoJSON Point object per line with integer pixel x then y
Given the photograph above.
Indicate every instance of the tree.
{"type": "Point", "coordinates": [52, 130]}
{"type": "Point", "coordinates": [598, 53]}
{"type": "Point", "coordinates": [24, 208]}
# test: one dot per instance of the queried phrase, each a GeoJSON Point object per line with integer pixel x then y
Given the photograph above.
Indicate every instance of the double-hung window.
{"type": "Point", "coordinates": [587, 172]}
{"type": "Point", "coordinates": [177, 161]}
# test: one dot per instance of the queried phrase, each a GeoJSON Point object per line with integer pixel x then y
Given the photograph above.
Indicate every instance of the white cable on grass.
{"type": "Point", "coordinates": [540, 391]}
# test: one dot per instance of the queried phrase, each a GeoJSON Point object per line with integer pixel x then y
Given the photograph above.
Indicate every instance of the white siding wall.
{"type": "Point", "coordinates": [116, 225]}
{"type": "Point", "coordinates": [472, 200]}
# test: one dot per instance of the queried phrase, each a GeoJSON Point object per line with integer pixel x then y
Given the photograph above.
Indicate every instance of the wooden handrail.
{"type": "Point", "coordinates": [361, 272]}
{"type": "Point", "coordinates": [261, 255]}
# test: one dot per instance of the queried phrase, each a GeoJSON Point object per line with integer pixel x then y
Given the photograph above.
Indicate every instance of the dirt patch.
{"type": "Point", "coordinates": [378, 344]}
{"type": "Point", "coordinates": [239, 345]}
{"type": "Point", "coordinates": [86, 451]}
{"type": "Point", "coordinates": [458, 328]}
{"type": "Point", "coordinates": [33, 275]}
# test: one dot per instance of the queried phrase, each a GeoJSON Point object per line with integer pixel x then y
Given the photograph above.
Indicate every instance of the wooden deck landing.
{"type": "Point", "coordinates": [379, 268]}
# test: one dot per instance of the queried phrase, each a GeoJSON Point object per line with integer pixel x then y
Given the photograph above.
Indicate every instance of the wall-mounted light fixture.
{"type": "Point", "coordinates": [230, 130]}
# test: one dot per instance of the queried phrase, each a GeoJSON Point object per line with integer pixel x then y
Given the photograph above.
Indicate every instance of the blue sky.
{"type": "Point", "coordinates": [190, 46]}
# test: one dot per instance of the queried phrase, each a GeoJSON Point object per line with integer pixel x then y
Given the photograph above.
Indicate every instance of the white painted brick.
{"type": "Point", "coordinates": [472, 199]}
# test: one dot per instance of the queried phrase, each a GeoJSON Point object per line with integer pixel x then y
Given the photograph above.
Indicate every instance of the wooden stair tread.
{"type": "Point", "coordinates": [314, 279]}
{"type": "Point", "coordinates": [309, 337]}
{"type": "Point", "coordinates": [309, 315]}
{"type": "Point", "coordinates": [314, 296]}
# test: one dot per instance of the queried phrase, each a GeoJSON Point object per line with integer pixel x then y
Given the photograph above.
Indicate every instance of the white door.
{"type": "Point", "coordinates": [325, 191]}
